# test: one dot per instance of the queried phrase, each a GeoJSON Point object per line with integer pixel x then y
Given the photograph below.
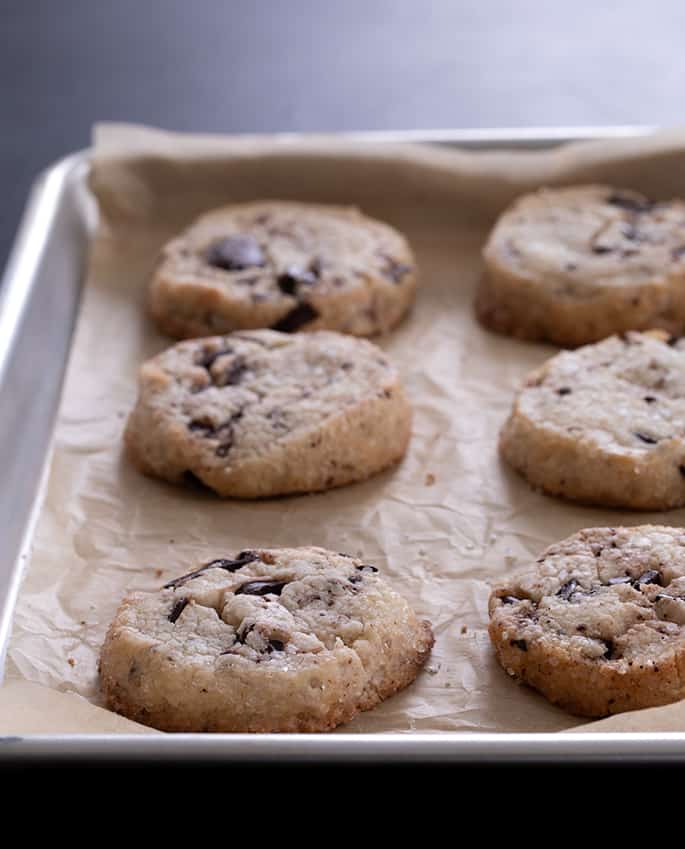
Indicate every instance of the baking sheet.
{"type": "Point", "coordinates": [441, 526]}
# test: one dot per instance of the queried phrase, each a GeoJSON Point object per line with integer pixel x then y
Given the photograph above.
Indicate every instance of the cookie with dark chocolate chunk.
{"type": "Point", "coordinates": [597, 623]}
{"type": "Point", "coordinates": [604, 424]}
{"type": "Point", "coordinates": [277, 640]}
{"type": "Point", "coordinates": [573, 265]}
{"type": "Point", "coordinates": [260, 413]}
{"type": "Point", "coordinates": [286, 266]}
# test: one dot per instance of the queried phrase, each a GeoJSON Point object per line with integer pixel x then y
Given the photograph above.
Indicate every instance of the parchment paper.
{"type": "Point", "coordinates": [441, 526]}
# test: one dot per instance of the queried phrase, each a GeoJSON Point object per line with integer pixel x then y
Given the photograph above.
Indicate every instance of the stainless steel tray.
{"type": "Point", "coordinates": [39, 301]}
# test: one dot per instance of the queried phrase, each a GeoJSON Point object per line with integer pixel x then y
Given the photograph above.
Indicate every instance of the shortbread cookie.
{"type": "Point", "coordinates": [286, 266]}
{"type": "Point", "coordinates": [282, 640]}
{"type": "Point", "coordinates": [574, 265]}
{"type": "Point", "coordinates": [605, 424]}
{"type": "Point", "coordinates": [261, 413]}
{"type": "Point", "coordinates": [597, 623]}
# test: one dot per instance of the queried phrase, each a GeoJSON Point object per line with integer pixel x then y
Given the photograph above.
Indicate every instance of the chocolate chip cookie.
{"type": "Point", "coordinates": [604, 424]}
{"type": "Point", "coordinates": [597, 623]}
{"type": "Point", "coordinates": [574, 265]}
{"type": "Point", "coordinates": [285, 266]}
{"type": "Point", "coordinates": [269, 640]}
{"type": "Point", "coordinates": [260, 413]}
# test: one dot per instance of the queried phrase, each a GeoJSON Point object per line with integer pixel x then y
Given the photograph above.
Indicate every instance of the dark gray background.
{"type": "Point", "coordinates": [269, 65]}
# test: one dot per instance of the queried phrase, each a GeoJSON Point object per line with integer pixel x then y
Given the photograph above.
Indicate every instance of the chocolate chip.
{"type": "Point", "coordinates": [355, 579]}
{"type": "Point", "coordinates": [177, 609]}
{"type": "Point", "coordinates": [394, 270]}
{"type": "Point", "coordinates": [651, 576]}
{"type": "Point", "coordinates": [366, 568]}
{"type": "Point", "coordinates": [609, 649]}
{"type": "Point", "coordinates": [564, 391]}
{"type": "Point", "coordinates": [261, 588]}
{"type": "Point", "coordinates": [509, 599]}
{"type": "Point", "coordinates": [624, 579]}
{"type": "Point", "coordinates": [297, 317]}
{"type": "Point", "coordinates": [672, 341]}
{"type": "Point", "coordinates": [294, 277]}
{"type": "Point", "coordinates": [567, 590]}
{"type": "Point", "coordinates": [630, 203]}
{"type": "Point", "coordinates": [236, 253]}
{"type": "Point", "coordinates": [243, 558]}
{"type": "Point", "coordinates": [649, 399]}
{"type": "Point", "coordinates": [601, 249]}
{"type": "Point", "coordinates": [681, 469]}
{"type": "Point", "coordinates": [519, 644]}
{"type": "Point", "coordinates": [646, 438]}
{"type": "Point", "coordinates": [276, 645]}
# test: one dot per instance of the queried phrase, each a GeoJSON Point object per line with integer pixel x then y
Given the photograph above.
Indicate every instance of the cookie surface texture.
{"type": "Point", "coordinates": [269, 641]}
{"type": "Point", "coordinates": [575, 265]}
{"type": "Point", "coordinates": [261, 413]}
{"type": "Point", "coordinates": [286, 266]}
{"type": "Point", "coordinates": [604, 424]}
{"type": "Point", "coordinates": [597, 624]}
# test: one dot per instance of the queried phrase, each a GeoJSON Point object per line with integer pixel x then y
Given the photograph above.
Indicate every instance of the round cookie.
{"type": "Point", "coordinates": [273, 640]}
{"type": "Point", "coordinates": [285, 266]}
{"type": "Point", "coordinates": [261, 413]}
{"type": "Point", "coordinates": [597, 623]}
{"type": "Point", "coordinates": [604, 424]}
{"type": "Point", "coordinates": [574, 265]}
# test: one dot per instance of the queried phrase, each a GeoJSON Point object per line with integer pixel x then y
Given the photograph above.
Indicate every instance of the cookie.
{"type": "Point", "coordinates": [261, 413]}
{"type": "Point", "coordinates": [285, 266]}
{"type": "Point", "coordinates": [604, 424]}
{"type": "Point", "coordinates": [272, 640]}
{"type": "Point", "coordinates": [597, 623]}
{"type": "Point", "coordinates": [575, 265]}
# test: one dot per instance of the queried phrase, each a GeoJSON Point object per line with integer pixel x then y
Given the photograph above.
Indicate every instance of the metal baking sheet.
{"type": "Point", "coordinates": [39, 301]}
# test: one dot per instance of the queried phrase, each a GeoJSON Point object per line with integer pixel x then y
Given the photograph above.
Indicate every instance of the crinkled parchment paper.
{"type": "Point", "coordinates": [440, 527]}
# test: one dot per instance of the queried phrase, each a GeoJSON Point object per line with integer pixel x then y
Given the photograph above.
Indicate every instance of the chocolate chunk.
{"type": "Point", "coordinates": [649, 399]}
{"type": "Point", "coordinates": [394, 270]}
{"type": "Point", "coordinates": [651, 576]}
{"type": "Point", "coordinates": [236, 253]}
{"type": "Point", "coordinates": [646, 438]}
{"type": "Point", "coordinates": [234, 374]}
{"type": "Point", "coordinates": [609, 649]}
{"type": "Point", "coordinates": [564, 390]}
{"type": "Point", "coordinates": [630, 203]}
{"type": "Point", "coordinates": [178, 609]}
{"type": "Point", "coordinates": [624, 579]}
{"type": "Point", "coordinates": [294, 277]}
{"type": "Point", "coordinates": [243, 558]}
{"type": "Point", "coordinates": [201, 426]}
{"type": "Point", "coordinates": [297, 317]}
{"type": "Point", "coordinates": [519, 644]}
{"type": "Point", "coordinates": [276, 645]}
{"type": "Point", "coordinates": [567, 590]}
{"type": "Point", "coordinates": [208, 357]}
{"type": "Point", "coordinates": [261, 588]}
